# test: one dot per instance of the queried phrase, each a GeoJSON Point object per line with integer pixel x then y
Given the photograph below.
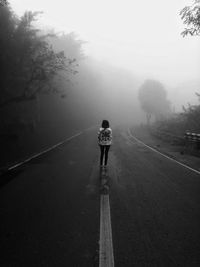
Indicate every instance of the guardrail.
{"type": "Point", "coordinates": [190, 141]}
{"type": "Point", "coordinates": [192, 137]}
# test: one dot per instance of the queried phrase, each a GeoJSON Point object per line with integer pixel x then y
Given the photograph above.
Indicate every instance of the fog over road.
{"type": "Point", "coordinates": [50, 210]}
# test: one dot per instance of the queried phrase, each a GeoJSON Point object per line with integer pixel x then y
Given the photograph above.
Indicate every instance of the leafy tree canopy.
{"type": "Point", "coordinates": [70, 44]}
{"type": "Point", "coordinates": [3, 2]}
{"type": "Point", "coordinates": [153, 99]}
{"type": "Point", "coordinates": [191, 17]}
{"type": "Point", "coordinates": [28, 62]}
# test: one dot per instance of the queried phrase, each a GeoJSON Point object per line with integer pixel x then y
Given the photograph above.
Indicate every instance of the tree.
{"type": "Point", "coordinates": [70, 44]}
{"type": "Point", "coordinates": [28, 63]}
{"type": "Point", "coordinates": [191, 17]}
{"type": "Point", "coordinates": [3, 2]}
{"type": "Point", "coordinates": [191, 115]}
{"type": "Point", "coordinates": [153, 99]}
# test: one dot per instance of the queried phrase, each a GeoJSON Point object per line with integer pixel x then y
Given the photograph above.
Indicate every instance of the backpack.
{"type": "Point", "coordinates": [104, 135]}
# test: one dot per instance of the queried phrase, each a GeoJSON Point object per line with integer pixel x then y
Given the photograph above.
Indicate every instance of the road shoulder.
{"type": "Point", "coordinates": [173, 151]}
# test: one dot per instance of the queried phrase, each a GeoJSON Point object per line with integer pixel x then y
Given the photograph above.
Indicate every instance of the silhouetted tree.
{"type": "Point", "coordinates": [28, 62]}
{"type": "Point", "coordinates": [153, 99]}
{"type": "Point", "coordinates": [191, 17]}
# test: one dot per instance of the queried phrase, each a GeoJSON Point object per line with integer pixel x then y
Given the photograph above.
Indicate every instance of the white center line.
{"type": "Point", "coordinates": [106, 257]}
{"type": "Point", "coordinates": [155, 150]}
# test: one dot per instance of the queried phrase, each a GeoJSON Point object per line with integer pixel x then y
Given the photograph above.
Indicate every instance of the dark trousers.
{"type": "Point", "coordinates": [104, 153]}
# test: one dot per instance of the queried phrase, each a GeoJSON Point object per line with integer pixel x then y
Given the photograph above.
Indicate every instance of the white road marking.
{"type": "Point", "coordinates": [43, 152]}
{"type": "Point", "coordinates": [155, 150]}
{"type": "Point", "coordinates": [106, 257]}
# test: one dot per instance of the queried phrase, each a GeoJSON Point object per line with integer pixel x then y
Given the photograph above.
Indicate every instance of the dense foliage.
{"type": "Point", "coordinates": [191, 17]}
{"type": "Point", "coordinates": [28, 62]}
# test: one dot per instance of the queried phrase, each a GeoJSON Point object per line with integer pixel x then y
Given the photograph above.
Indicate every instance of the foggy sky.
{"type": "Point", "coordinates": [141, 36]}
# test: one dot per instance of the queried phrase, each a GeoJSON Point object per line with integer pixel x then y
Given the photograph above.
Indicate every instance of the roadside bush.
{"type": "Point", "coordinates": [178, 124]}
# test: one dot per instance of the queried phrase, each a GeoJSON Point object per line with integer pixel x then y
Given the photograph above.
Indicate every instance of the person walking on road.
{"type": "Point", "coordinates": [104, 141]}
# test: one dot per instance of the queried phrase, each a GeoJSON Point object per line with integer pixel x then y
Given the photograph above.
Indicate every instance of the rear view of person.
{"type": "Point", "coordinates": [104, 141]}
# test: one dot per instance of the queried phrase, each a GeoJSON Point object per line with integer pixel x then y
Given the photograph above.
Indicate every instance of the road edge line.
{"type": "Point", "coordinates": [155, 150]}
{"type": "Point", "coordinates": [43, 152]}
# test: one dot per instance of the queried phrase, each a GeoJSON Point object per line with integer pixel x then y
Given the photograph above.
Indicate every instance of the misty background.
{"type": "Point", "coordinates": [112, 49]}
{"type": "Point", "coordinates": [141, 37]}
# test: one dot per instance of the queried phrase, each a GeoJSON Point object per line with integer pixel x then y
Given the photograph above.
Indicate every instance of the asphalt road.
{"type": "Point", "coordinates": [50, 207]}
